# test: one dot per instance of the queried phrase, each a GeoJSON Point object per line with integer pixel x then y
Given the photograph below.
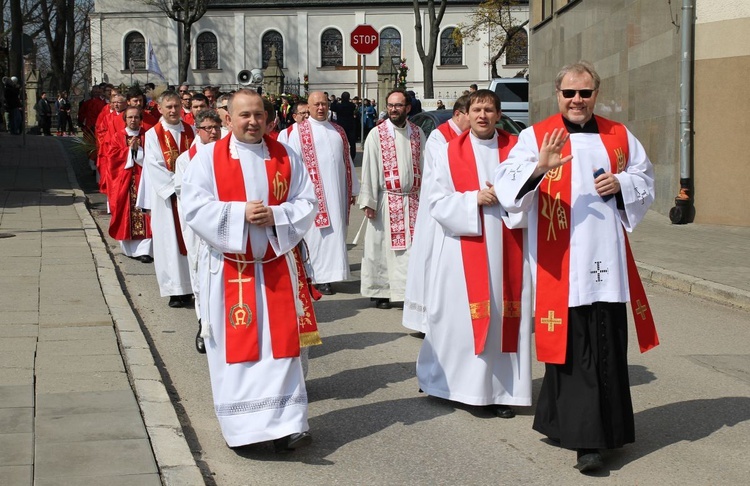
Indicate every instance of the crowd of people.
{"type": "Point", "coordinates": [243, 202]}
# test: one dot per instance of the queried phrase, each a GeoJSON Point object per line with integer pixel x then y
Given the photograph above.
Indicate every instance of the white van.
{"type": "Point", "coordinates": [514, 98]}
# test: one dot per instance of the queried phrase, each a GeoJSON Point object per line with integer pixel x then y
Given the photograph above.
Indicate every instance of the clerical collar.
{"type": "Point", "coordinates": [588, 127]}
{"type": "Point", "coordinates": [132, 133]}
{"type": "Point", "coordinates": [314, 121]}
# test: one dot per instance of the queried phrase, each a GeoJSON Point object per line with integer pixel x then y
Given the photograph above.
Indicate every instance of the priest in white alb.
{"type": "Point", "coordinates": [164, 142]}
{"type": "Point", "coordinates": [251, 201]}
{"type": "Point", "coordinates": [477, 349]}
{"type": "Point", "coordinates": [583, 181]}
{"type": "Point", "coordinates": [324, 148]}
{"type": "Point", "coordinates": [418, 277]}
{"type": "Point", "coordinates": [389, 196]}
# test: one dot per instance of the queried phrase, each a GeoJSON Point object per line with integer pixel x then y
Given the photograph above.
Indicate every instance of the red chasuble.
{"type": "Point", "coordinates": [553, 248]}
{"type": "Point", "coordinates": [170, 151]}
{"type": "Point", "coordinates": [127, 222]}
{"type": "Point", "coordinates": [282, 286]}
{"type": "Point", "coordinates": [463, 169]}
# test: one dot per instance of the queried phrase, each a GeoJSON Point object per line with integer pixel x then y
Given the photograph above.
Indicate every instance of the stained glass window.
{"type": "Point", "coordinates": [331, 48]}
{"type": "Point", "coordinates": [207, 51]}
{"type": "Point", "coordinates": [390, 42]}
{"type": "Point", "coordinates": [135, 49]}
{"type": "Point", "coordinates": [272, 39]}
{"type": "Point", "coordinates": [450, 52]}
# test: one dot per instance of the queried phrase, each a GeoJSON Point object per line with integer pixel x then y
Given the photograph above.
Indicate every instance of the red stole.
{"type": "Point", "coordinates": [446, 129]}
{"type": "Point", "coordinates": [240, 300]}
{"type": "Point", "coordinates": [553, 248]}
{"type": "Point", "coordinates": [393, 183]}
{"type": "Point", "coordinates": [465, 178]}
{"type": "Point", "coordinates": [170, 151]}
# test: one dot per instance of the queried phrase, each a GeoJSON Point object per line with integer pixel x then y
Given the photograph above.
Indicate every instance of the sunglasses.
{"type": "Point", "coordinates": [570, 93]}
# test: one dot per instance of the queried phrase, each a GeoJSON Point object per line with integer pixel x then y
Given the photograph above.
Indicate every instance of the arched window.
{"type": "Point", "coordinates": [207, 51]}
{"type": "Point", "coordinates": [390, 43]}
{"type": "Point", "coordinates": [135, 49]}
{"type": "Point", "coordinates": [518, 49]}
{"type": "Point", "coordinates": [331, 48]}
{"type": "Point", "coordinates": [450, 51]}
{"type": "Point", "coordinates": [272, 41]}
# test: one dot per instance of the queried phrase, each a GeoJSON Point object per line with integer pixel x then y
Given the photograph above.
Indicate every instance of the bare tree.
{"type": "Point", "coordinates": [496, 17]}
{"type": "Point", "coordinates": [428, 58]}
{"type": "Point", "coordinates": [185, 12]}
{"type": "Point", "coordinates": [58, 24]}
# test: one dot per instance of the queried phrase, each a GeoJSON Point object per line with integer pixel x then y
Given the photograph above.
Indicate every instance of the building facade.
{"type": "Point", "coordinates": [311, 39]}
{"type": "Point", "coordinates": [635, 47]}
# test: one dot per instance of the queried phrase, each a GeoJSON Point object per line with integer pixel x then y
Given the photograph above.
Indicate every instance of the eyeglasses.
{"type": "Point", "coordinates": [303, 113]}
{"type": "Point", "coordinates": [570, 93]}
{"type": "Point", "coordinates": [212, 128]}
{"type": "Point", "coordinates": [396, 105]}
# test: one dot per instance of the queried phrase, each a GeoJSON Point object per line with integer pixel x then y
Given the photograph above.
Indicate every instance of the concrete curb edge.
{"type": "Point", "coordinates": [698, 287]}
{"type": "Point", "coordinates": [173, 457]}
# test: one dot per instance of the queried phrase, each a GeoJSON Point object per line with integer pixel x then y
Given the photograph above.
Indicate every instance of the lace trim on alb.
{"type": "Point", "coordinates": [254, 406]}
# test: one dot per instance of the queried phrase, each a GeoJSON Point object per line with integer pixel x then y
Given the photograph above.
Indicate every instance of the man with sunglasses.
{"type": "Point", "coordinates": [583, 181]}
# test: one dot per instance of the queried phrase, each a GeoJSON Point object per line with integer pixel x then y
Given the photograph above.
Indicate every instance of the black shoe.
{"type": "Point", "coordinates": [325, 289]}
{"type": "Point", "coordinates": [503, 411]}
{"type": "Point", "coordinates": [589, 460]}
{"type": "Point", "coordinates": [382, 303]}
{"type": "Point", "coordinates": [145, 259]}
{"type": "Point", "coordinates": [200, 345]}
{"type": "Point", "coordinates": [175, 301]}
{"type": "Point", "coordinates": [292, 442]}
{"type": "Point", "coordinates": [186, 299]}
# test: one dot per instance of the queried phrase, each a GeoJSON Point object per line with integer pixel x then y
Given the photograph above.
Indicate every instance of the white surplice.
{"type": "Point", "coordinates": [267, 399]}
{"type": "Point", "coordinates": [447, 366]}
{"type": "Point", "coordinates": [172, 271]}
{"type": "Point", "coordinates": [135, 248]}
{"type": "Point", "coordinates": [598, 269]}
{"type": "Point", "coordinates": [384, 269]}
{"type": "Point", "coordinates": [327, 246]}
{"type": "Point", "coordinates": [418, 275]}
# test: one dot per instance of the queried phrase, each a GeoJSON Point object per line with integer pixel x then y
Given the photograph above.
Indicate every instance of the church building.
{"type": "Point", "coordinates": [311, 39]}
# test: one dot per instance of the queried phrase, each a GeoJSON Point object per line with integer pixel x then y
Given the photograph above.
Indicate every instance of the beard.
{"type": "Point", "coordinates": [398, 119]}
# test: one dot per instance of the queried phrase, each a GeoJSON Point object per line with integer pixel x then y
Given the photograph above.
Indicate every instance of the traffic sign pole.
{"type": "Point", "coordinates": [364, 39]}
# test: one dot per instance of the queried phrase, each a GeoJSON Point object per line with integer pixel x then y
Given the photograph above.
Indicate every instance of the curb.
{"type": "Point", "coordinates": [171, 451]}
{"type": "Point", "coordinates": [706, 289]}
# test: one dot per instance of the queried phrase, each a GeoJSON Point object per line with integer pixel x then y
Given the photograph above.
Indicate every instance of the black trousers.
{"type": "Point", "coordinates": [46, 124]}
{"type": "Point", "coordinates": [585, 403]}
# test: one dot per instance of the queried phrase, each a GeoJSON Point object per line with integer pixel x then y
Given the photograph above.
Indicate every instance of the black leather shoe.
{"type": "Point", "coordinates": [175, 301]}
{"type": "Point", "coordinates": [382, 303]}
{"type": "Point", "coordinates": [325, 289]}
{"type": "Point", "coordinates": [589, 460]}
{"type": "Point", "coordinates": [503, 411]}
{"type": "Point", "coordinates": [200, 345]}
{"type": "Point", "coordinates": [186, 299]}
{"type": "Point", "coordinates": [146, 259]}
{"type": "Point", "coordinates": [292, 442]}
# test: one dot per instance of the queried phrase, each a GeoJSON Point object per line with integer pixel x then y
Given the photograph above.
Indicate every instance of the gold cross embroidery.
{"type": "Point", "coordinates": [240, 313]}
{"type": "Point", "coordinates": [551, 321]}
{"type": "Point", "coordinates": [641, 309]}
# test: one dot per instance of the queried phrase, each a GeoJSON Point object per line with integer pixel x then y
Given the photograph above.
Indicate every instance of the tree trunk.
{"type": "Point", "coordinates": [16, 28]}
{"type": "Point", "coordinates": [186, 49]}
{"type": "Point", "coordinates": [429, 85]}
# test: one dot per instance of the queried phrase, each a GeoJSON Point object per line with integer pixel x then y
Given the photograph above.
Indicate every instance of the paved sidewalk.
{"type": "Point", "coordinates": [81, 400]}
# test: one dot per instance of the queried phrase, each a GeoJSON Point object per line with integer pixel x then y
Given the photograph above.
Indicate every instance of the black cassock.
{"type": "Point", "coordinates": [585, 403]}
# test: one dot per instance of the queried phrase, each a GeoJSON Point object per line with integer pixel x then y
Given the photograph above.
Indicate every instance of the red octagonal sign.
{"type": "Point", "coordinates": [364, 39]}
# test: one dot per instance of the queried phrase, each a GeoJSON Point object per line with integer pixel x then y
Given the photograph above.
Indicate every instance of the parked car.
{"type": "Point", "coordinates": [429, 120]}
{"type": "Point", "coordinates": [514, 98]}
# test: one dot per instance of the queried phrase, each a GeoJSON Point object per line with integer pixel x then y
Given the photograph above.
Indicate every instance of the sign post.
{"type": "Point", "coordinates": [364, 39]}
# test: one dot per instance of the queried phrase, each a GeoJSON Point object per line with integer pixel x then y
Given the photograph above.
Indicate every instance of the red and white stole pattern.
{"type": "Point", "coordinates": [553, 248]}
{"type": "Point", "coordinates": [240, 300]}
{"type": "Point", "coordinates": [396, 197]}
{"type": "Point", "coordinates": [463, 167]}
{"type": "Point", "coordinates": [170, 151]}
{"type": "Point", "coordinates": [446, 129]}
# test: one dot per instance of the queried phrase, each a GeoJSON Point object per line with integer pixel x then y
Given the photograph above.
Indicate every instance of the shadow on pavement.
{"type": "Point", "coordinates": [340, 427]}
{"type": "Point", "coordinates": [358, 341]}
{"type": "Point", "coordinates": [358, 383]}
{"type": "Point", "coordinates": [691, 420]}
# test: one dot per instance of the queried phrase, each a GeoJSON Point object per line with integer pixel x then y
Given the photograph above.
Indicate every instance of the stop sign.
{"type": "Point", "coordinates": [364, 39]}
